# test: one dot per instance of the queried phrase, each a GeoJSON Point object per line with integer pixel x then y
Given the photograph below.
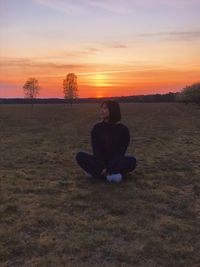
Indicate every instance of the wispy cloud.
{"type": "Point", "coordinates": [177, 35]}
{"type": "Point", "coordinates": [20, 68]}
{"type": "Point", "coordinates": [80, 53]}
{"type": "Point", "coordinates": [120, 6]}
{"type": "Point", "coordinates": [115, 45]}
{"type": "Point", "coordinates": [46, 61]}
{"type": "Point", "coordinates": [63, 6]}
{"type": "Point", "coordinates": [114, 6]}
{"type": "Point", "coordinates": [80, 6]}
{"type": "Point", "coordinates": [28, 66]}
{"type": "Point", "coordinates": [29, 63]}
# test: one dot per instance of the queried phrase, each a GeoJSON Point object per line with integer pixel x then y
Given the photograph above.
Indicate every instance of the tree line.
{"type": "Point", "coordinates": [189, 94]}
{"type": "Point", "coordinates": [168, 97]}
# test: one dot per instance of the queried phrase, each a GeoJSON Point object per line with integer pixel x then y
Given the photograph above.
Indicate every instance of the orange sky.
{"type": "Point", "coordinates": [115, 48]}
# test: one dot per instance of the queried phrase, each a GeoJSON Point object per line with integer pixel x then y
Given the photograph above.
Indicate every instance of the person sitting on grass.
{"type": "Point", "coordinates": [109, 139]}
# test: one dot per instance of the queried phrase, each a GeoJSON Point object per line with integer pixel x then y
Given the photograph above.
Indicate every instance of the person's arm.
{"type": "Point", "coordinates": [121, 149]}
{"type": "Point", "coordinates": [96, 147]}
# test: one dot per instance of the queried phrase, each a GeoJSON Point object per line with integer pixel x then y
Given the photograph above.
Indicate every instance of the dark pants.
{"type": "Point", "coordinates": [88, 163]}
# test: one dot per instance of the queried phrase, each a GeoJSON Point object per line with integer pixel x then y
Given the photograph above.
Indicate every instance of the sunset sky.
{"type": "Point", "coordinates": [115, 47]}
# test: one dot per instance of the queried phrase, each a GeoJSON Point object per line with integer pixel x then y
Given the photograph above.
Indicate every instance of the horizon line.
{"type": "Point", "coordinates": [89, 97]}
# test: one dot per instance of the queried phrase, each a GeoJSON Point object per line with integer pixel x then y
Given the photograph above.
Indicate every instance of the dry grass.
{"type": "Point", "coordinates": [51, 214]}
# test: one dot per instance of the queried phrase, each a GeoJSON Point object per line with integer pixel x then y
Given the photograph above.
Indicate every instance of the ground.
{"type": "Point", "coordinates": [52, 214]}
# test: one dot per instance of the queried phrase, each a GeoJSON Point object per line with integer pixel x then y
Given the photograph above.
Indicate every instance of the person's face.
{"type": "Point", "coordinates": [104, 112]}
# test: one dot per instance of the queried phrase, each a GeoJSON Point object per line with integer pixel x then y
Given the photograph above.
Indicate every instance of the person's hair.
{"type": "Point", "coordinates": [114, 110]}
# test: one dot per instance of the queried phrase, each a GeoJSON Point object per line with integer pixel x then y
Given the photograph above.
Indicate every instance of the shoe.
{"type": "Point", "coordinates": [117, 177]}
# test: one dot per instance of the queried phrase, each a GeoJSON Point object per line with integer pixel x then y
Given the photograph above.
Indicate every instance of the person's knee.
{"type": "Point", "coordinates": [79, 156]}
{"type": "Point", "coordinates": [133, 163]}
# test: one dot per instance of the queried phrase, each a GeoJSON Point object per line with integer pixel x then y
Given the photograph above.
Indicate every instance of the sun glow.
{"type": "Point", "coordinates": [99, 79]}
{"type": "Point", "coordinates": [99, 95]}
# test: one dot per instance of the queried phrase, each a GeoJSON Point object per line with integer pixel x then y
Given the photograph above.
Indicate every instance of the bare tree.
{"type": "Point", "coordinates": [31, 89]}
{"type": "Point", "coordinates": [70, 87]}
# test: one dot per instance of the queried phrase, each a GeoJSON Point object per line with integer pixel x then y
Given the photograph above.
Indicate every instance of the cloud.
{"type": "Point", "coordinates": [179, 35]}
{"type": "Point", "coordinates": [25, 66]}
{"type": "Point", "coordinates": [81, 6]}
{"type": "Point", "coordinates": [63, 6]}
{"type": "Point", "coordinates": [29, 63]}
{"type": "Point", "coordinates": [117, 6]}
{"type": "Point", "coordinates": [19, 68]}
{"type": "Point", "coordinates": [136, 67]}
{"type": "Point", "coordinates": [47, 61]}
{"type": "Point", "coordinates": [113, 6]}
{"type": "Point", "coordinates": [116, 45]}
{"type": "Point", "coordinates": [123, 7]}
{"type": "Point", "coordinates": [128, 6]}
{"type": "Point", "coordinates": [79, 53]}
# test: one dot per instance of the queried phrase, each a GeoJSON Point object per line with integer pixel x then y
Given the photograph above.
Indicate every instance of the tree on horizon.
{"type": "Point", "coordinates": [31, 89]}
{"type": "Point", "coordinates": [70, 87]}
{"type": "Point", "coordinates": [190, 94]}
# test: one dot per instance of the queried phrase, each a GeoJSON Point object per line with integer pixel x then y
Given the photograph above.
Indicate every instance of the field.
{"type": "Point", "coordinates": [52, 214]}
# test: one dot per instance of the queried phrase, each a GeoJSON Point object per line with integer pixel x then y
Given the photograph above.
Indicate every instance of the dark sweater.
{"type": "Point", "coordinates": [109, 143]}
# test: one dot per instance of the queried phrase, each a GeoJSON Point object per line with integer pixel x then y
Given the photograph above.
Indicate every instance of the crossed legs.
{"type": "Point", "coordinates": [88, 163]}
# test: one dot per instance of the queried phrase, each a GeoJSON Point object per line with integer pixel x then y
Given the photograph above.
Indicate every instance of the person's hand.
{"type": "Point", "coordinates": [104, 172]}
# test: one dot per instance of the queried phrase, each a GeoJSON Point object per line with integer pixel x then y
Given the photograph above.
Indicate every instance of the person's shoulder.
{"type": "Point", "coordinates": [123, 126]}
{"type": "Point", "coordinates": [97, 126]}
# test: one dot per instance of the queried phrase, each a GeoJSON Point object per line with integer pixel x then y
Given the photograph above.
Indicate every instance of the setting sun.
{"type": "Point", "coordinates": [99, 95]}
{"type": "Point", "coordinates": [99, 80]}
{"type": "Point", "coordinates": [108, 55]}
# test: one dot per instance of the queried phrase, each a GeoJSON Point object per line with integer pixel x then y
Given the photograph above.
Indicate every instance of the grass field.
{"type": "Point", "coordinates": [51, 214]}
